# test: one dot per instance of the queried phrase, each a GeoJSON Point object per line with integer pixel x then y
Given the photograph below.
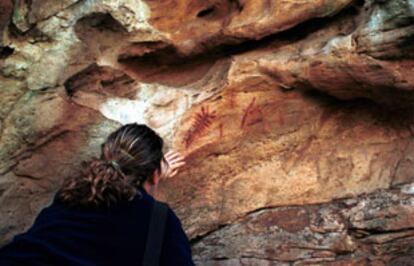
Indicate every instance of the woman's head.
{"type": "Point", "coordinates": [135, 149]}
{"type": "Point", "coordinates": [129, 156]}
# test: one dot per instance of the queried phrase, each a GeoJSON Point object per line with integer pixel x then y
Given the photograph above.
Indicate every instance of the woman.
{"type": "Point", "coordinates": [102, 216]}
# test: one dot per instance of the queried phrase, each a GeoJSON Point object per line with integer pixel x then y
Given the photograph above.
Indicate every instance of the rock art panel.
{"type": "Point", "coordinates": [265, 147]}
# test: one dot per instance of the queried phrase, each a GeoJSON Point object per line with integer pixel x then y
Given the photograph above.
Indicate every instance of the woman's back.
{"type": "Point", "coordinates": [116, 235]}
{"type": "Point", "coordinates": [101, 216]}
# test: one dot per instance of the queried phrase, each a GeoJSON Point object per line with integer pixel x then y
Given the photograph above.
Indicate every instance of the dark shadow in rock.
{"type": "Point", "coordinates": [158, 62]}
{"type": "Point", "coordinates": [165, 67]}
{"type": "Point", "coordinates": [100, 32]}
{"type": "Point", "coordinates": [99, 22]}
{"type": "Point", "coordinates": [219, 10]}
{"type": "Point", "coordinates": [6, 52]}
{"type": "Point", "coordinates": [394, 117]}
{"type": "Point", "coordinates": [206, 12]}
{"type": "Point", "coordinates": [101, 80]}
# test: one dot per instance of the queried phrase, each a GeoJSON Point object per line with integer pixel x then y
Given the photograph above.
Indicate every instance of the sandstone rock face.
{"type": "Point", "coordinates": [339, 233]}
{"type": "Point", "coordinates": [295, 116]}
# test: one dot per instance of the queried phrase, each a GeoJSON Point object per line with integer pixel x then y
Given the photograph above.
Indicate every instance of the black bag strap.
{"type": "Point", "coordinates": [155, 235]}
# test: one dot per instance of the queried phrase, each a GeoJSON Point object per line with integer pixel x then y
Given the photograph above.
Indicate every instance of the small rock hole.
{"type": "Point", "coordinates": [6, 52]}
{"type": "Point", "coordinates": [237, 4]}
{"type": "Point", "coordinates": [206, 12]}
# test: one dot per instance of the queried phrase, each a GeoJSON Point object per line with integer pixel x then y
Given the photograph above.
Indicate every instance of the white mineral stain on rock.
{"type": "Point", "coordinates": [158, 106]}
{"type": "Point", "coordinates": [408, 189]}
{"type": "Point", "coordinates": [132, 14]}
{"type": "Point", "coordinates": [123, 110]}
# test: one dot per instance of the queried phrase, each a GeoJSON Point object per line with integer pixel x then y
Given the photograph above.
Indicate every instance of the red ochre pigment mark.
{"type": "Point", "coordinates": [202, 120]}
{"type": "Point", "coordinates": [232, 100]}
{"type": "Point", "coordinates": [221, 130]}
{"type": "Point", "coordinates": [252, 114]}
{"type": "Point", "coordinates": [281, 119]}
{"type": "Point", "coordinates": [247, 111]}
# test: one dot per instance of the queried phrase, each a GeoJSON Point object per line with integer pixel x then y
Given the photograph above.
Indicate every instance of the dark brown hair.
{"type": "Point", "coordinates": [129, 156]}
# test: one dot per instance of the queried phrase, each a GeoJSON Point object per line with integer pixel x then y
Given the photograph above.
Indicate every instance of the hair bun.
{"type": "Point", "coordinates": [129, 156]}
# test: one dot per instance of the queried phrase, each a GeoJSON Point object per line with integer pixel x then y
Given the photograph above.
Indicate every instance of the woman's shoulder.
{"type": "Point", "coordinates": [172, 217]}
{"type": "Point", "coordinates": [176, 249]}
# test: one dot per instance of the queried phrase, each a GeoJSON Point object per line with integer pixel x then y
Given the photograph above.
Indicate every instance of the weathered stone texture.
{"type": "Point", "coordinates": [339, 233]}
{"type": "Point", "coordinates": [295, 116]}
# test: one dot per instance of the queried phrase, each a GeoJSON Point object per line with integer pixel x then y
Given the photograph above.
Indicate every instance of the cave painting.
{"type": "Point", "coordinates": [252, 114]}
{"type": "Point", "coordinates": [202, 121]}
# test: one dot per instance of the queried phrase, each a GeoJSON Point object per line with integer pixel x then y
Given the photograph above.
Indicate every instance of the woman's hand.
{"type": "Point", "coordinates": [172, 164]}
{"type": "Point", "coordinates": [169, 168]}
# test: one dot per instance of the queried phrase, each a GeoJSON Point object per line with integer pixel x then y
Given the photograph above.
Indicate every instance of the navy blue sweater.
{"type": "Point", "coordinates": [63, 235]}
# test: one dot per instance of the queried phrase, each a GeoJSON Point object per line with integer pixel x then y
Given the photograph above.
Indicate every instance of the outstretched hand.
{"type": "Point", "coordinates": [169, 168]}
{"type": "Point", "coordinates": [172, 164]}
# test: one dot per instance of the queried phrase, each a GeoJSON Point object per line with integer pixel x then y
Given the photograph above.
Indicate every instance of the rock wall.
{"type": "Point", "coordinates": [296, 118]}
